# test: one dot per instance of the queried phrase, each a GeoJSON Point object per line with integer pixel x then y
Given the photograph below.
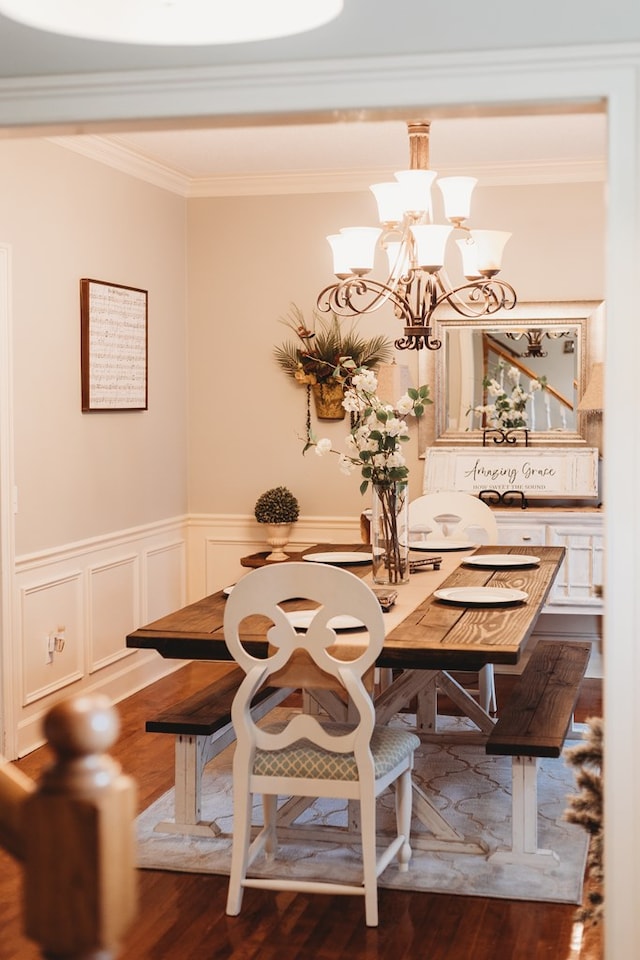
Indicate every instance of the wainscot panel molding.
{"type": "Point", "coordinates": [217, 542]}
{"type": "Point", "coordinates": [75, 604]}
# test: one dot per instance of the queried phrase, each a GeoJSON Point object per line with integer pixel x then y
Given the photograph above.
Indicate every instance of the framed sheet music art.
{"type": "Point", "coordinates": [113, 346]}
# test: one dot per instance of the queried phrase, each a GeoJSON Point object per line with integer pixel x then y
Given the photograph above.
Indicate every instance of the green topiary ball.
{"type": "Point", "coordinates": [277, 505]}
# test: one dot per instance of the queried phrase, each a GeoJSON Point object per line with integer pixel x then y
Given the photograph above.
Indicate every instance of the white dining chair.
{"type": "Point", "coordinates": [309, 755]}
{"type": "Point", "coordinates": [457, 516]}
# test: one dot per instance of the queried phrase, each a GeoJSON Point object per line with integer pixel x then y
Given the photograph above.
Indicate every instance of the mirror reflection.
{"type": "Point", "coordinates": [525, 368]}
{"type": "Point", "coordinates": [525, 377]}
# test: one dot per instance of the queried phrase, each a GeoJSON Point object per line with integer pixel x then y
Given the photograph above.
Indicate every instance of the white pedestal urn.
{"type": "Point", "coordinates": [278, 537]}
{"type": "Point", "coordinates": [390, 532]}
{"type": "Point", "coordinates": [278, 510]}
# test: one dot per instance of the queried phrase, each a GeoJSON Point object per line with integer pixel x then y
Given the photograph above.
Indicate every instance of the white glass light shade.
{"type": "Point", "coordinates": [389, 199]}
{"type": "Point", "coordinates": [456, 193]}
{"type": "Point", "coordinates": [416, 189]}
{"type": "Point", "coordinates": [469, 253]}
{"type": "Point", "coordinates": [490, 244]}
{"type": "Point", "coordinates": [173, 22]}
{"type": "Point", "coordinates": [339, 249]}
{"type": "Point", "coordinates": [430, 242]}
{"type": "Point", "coordinates": [359, 247]}
{"type": "Point", "coordinates": [398, 258]}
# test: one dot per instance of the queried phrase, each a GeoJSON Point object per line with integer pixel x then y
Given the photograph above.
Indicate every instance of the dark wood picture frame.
{"type": "Point", "coordinates": [114, 346]}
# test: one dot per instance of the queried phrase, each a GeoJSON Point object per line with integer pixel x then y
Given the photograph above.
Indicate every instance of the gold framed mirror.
{"type": "Point", "coordinates": [526, 368]}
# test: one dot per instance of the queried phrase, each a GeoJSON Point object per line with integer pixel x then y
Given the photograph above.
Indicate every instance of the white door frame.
{"type": "Point", "coordinates": [609, 72]}
{"type": "Point", "coordinates": [8, 673]}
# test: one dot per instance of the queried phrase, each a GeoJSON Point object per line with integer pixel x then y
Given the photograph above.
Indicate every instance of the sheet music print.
{"type": "Point", "coordinates": [117, 347]}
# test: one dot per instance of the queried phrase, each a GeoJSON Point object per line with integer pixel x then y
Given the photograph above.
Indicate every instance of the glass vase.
{"type": "Point", "coordinates": [390, 532]}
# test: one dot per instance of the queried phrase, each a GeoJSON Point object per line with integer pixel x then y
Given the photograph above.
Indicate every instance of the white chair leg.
{"type": "Point", "coordinates": [242, 804]}
{"type": "Point", "coordinates": [404, 803]}
{"type": "Point", "coordinates": [369, 859]}
{"type": "Point", "coordinates": [269, 808]}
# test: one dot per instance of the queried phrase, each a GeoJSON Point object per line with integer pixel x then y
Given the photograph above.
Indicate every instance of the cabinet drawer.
{"type": "Point", "coordinates": [524, 534]}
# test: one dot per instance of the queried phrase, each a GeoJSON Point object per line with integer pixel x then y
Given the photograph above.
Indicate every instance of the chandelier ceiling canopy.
{"type": "Point", "coordinates": [417, 282]}
{"type": "Point", "coordinates": [173, 22]}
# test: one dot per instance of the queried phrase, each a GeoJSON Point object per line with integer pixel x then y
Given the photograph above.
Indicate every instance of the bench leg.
{"type": "Point", "coordinates": [524, 815]}
{"type": "Point", "coordinates": [192, 753]}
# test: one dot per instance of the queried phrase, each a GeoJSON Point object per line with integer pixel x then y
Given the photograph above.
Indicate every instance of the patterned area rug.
{"type": "Point", "coordinates": [472, 790]}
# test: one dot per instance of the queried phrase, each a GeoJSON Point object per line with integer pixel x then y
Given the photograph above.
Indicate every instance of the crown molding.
{"type": "Point", "coordinates": [121, 158]}
{"type": "Point", "coordinates": [126, 161]}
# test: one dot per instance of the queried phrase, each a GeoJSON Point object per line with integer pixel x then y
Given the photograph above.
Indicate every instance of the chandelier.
{"type": "Point", "coordinates": [173, 22]}
{"type": "Point", "coordinates": [534, 337]}
{"type": "Point", "coordinates": [417, 282]}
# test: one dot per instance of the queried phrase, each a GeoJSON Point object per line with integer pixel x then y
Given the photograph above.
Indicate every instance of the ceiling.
{"type": "Point", "coordinates": [347, 155]}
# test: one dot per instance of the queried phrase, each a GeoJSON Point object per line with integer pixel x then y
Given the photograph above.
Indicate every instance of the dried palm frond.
{"type": "Point", "coordinates": [586, 809]}
{"type": "Point", "coordinates": [319, 352]}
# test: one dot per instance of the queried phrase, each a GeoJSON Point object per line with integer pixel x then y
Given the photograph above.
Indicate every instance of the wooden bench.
{"type": "Point", "coordinates": [202, 727]}
{"type": "Point", "coordinates": [534, 723]}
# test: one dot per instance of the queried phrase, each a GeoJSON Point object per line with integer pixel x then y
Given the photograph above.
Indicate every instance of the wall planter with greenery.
{"type": "Point", "coordinates": [322, 357]}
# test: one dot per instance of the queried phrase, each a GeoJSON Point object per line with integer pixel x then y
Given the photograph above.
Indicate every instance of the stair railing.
{"type": "Point", "coordinates": [73, 831]}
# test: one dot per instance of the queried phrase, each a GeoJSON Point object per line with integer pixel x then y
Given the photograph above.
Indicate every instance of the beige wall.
{"type": "Point", "coordinates": [244, 260]}
{"type": "Point", "coordinates": [81, 475]}
{"type": "Point", "coordinates": [250, 257]}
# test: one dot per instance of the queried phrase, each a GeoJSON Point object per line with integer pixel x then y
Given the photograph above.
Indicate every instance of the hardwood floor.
{"type": "Point", "coordinates": [181, 916]}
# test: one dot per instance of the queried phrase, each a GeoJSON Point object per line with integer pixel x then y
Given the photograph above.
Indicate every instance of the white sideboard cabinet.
{"type": "Point", "coordinates": [578, 586]}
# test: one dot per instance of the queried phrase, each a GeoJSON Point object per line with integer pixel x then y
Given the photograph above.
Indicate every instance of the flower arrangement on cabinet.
{"type": "Point", "coordinates": [508, 409]}
{"type": "Point", "coordinates": [319, 352]}
{"type": "Point", "coordinates": [374, 446]}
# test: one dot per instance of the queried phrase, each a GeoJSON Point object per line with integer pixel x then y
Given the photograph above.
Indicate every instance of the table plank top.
{"type": "Point", "coordinates": [423, 631]}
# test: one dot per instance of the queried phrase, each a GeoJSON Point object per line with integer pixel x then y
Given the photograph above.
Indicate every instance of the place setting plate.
{"type": "Point", "coordinates": [338, 558]}
{"type": "Point", "coordinates": [436, 546]}
{"type": "Point", "coordinates": [301, 619]}
{"type": "Point", "coordinates": [481, 596]}
{"type": "Point", "coordinates": [501, 561]}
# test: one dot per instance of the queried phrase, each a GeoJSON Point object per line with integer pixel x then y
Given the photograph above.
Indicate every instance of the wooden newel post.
{"type": "Point", "coordinates": [79, 843]}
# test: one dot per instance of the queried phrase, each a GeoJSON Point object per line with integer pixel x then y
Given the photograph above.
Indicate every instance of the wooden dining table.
{"type": "Point", "coordinates": [427, 640]}
{"type": "Point", "coordinates": [423, 632]}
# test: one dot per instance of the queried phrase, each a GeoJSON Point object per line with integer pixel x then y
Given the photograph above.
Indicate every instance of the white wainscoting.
{"type": "Point", "coordinates": [73, 609]}
{"type": "Point", "coordinates": [91, 594]}
{"type": "Point", "coordinates": [217, 543]}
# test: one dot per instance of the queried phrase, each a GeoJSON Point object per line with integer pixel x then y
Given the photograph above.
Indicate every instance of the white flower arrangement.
{"type": "Point", "coordinates": [508, 409]}
{"type": "Point", "coordinates": [374, 446]}
{"type": "Point", "coordinates": [375, 441]}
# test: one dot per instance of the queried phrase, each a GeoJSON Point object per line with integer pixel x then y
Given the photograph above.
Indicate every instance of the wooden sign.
{"type": "Point", "coordinates": [546, 472]}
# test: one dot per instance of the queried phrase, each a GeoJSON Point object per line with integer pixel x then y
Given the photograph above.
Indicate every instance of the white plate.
{"type": "Point", "coordinates": [481, 596]}
{"type": "Point", "coordinates": [227, 590]}
{"type": "Point", "coordinates": [300, 619]}
{"type": "Point", "coordinates": [338, 558]}
{"type": "Point", "coordinates": [495, 560]}
{"type": "Point", "coordinates": [437, 546]}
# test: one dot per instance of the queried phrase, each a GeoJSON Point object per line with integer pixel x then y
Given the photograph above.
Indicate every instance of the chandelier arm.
{"type": "Point", "coordinates": [485, 297]}
{"type": "Point", "coordinates": [341, 298]}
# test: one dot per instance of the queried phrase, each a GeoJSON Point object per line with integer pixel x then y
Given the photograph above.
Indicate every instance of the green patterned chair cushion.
{"type": "Point", "coordinates": [304, 759]}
